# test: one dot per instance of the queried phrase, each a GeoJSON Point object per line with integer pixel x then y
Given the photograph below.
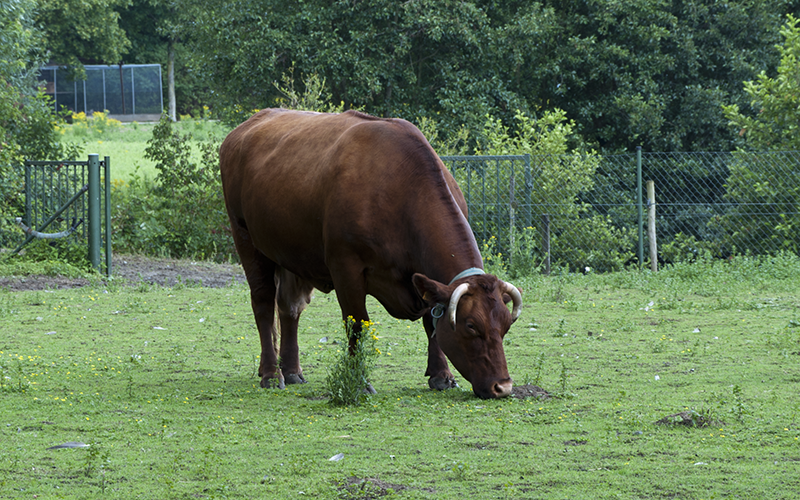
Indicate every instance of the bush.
{"type": "Point", "coordinates": [767, 186]}
{"type": "Point", "coordinates": [66, 250]}
{"type": "Point", "coordinates": [27, 122]}
{"type": "Point", "coordinates": [686, 249]}
{"type": "Point", "coordinates": [595, 243]}
{"type": "Point", "coordinates": [349, 376]}
{"type": "Point", "coordinates": [182, 213]}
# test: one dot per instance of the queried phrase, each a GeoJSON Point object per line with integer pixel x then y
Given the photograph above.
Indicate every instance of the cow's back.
{"type": "Point", "coordinates": [307, 185]}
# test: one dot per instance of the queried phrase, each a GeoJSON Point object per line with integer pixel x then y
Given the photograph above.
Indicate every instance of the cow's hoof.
{"type": "Point", "coordinates": [272, 383]}
{"type": "Point", "coordinates": [294, 378]}
{"type": "Point", "coordinates": [440, 383]}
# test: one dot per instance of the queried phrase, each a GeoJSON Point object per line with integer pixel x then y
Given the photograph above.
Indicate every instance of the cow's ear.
{"type": "Point", "coordinates": [432, 292]}
{"type": "Point", "coordinates": [507, 298]}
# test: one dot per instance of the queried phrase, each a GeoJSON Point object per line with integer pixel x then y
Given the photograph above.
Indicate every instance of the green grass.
{"type": "Point", "coordinates": [126, 143]}
{"type": "Point", "coordinates": [161, 382]}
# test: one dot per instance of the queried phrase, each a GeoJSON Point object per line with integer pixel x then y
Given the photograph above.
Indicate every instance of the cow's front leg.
{"type": "Point", "coordinates": [350, 284]}
{"type": "Point", "coordinates": [441, 377]}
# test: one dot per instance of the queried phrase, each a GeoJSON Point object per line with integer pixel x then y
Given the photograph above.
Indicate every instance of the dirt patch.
{"type": "Point", "coordinates": [689, 419]}
{"type": "Point", "coordinates": [134, 270]}
{"type": "Point", "coordinates": [529, 391]}
{"type": "Point", "coordinates": [370, 488]}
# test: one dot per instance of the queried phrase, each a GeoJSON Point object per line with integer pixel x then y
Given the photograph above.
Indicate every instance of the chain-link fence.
{"type": "Point", "coordinates": [584, 211]}
{"type": "Point", "coordinates": [126, 90]}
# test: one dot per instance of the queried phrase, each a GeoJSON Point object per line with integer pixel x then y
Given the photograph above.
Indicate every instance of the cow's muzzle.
{"type": "Point", "coordinates": [499, 389]}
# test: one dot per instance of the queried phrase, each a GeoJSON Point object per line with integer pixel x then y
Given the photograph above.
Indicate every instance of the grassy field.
{"type": "Point", "coordinates": [126, 143]}
{"type": "Point", "coordinates": [161, 383]}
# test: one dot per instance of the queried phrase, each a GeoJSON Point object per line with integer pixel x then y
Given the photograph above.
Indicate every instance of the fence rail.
{"type": "Point", "coordinates": [584, 211]}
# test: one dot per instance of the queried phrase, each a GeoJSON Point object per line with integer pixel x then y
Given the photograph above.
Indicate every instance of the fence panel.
{"type": "Point", "coordinates": [498, 194]}
{"type": "Point", "coordinates": [129, 91]}
{"type": "Point", "coordinates": [582, 212]}
{"type": "Point", "coordinates": [67, 199]}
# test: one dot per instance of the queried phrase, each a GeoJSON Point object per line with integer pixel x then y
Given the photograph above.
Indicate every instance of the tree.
{"type": "Point", "coordinates": [628, 72]}
{"type": "Point", "coordinates": [83, 31]}
{"type": "Point", "coordinates": [774, 121]}
{"type": "Point", "coordinates": [757, 181]}
{"type": "Point", "coordinates": [149, 26]}
{"type": "Point", "coordinates": [27, 125]}
{"type": "Point", "coordinates": [392, 58]}
{"type": "Point", "coordinates": [650, 73]}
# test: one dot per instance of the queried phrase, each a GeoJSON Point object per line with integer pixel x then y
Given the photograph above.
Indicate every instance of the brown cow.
{"type": "Point", "coordinates": [362, 205]}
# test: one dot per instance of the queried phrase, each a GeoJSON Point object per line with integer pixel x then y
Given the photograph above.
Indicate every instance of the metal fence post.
{"type": "Point", "coordinates": [639, 204]}
{"type": "Point", "coordinates": [546, 242]}
{"type": "Point", "coordinates": [28, 195]}
{"type": "Point", "coordinates": [94, 210]}
{"type": "Point", "coordinates": [528, 192]}
{"type": "Point", "coordinates": [107, 215]}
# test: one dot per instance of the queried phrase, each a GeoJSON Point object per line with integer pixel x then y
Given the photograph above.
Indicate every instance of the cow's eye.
{"type": "Point", "coordinates": [471, 328]}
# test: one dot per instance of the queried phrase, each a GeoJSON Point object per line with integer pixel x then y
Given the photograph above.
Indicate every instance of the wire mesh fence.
{"type": "Point", "coordinates": [579, 211]}
{"type": "Point", "coordinates": [129, 89]}
{"type": "Point", "coordinates": [584, 211]}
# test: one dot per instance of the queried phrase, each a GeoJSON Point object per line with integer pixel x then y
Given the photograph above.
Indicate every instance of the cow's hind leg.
{"type": "Point", "coordinates": [260, 272]}
{"type": "Point", "coordinates": [294, 294]}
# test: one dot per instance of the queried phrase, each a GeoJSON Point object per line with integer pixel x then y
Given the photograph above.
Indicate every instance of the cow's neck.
{"type": "Point", "coordinates": [452, 251]}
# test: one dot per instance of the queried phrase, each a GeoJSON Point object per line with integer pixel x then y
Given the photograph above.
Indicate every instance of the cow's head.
{"type": "Point", "coordinates": [471, 330]}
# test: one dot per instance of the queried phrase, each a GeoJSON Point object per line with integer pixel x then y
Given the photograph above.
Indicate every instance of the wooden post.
{"type": "Point", "coordinates": [546, 242]}
{"type": "Point", "coordinates": [651, 225]}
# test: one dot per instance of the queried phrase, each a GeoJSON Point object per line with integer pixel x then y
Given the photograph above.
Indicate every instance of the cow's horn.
{"type": "Point", "coordinates": [516, 297]}
{"type": "Point", "coordinates": [457, 293]}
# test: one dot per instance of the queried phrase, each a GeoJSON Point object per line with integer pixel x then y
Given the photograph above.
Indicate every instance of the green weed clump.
{"type": "Point", "coordinates": [67, 257]}
{"type": "Point", "coordinates": [348, 380]}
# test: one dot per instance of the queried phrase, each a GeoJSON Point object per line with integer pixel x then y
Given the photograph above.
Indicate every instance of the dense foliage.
{"type": "Point", "coordinates": [83, 31]}
{"type": "Point", "coordinates": [773, 124]}
{"type": "Point", "coordinates": [27, 125]}
{"type": "Point", "coordinates": [628, 72]}
{"type": "Point", "coordinates": [775, 119]}
{"type": "Point", "coordinates": [181, 214]}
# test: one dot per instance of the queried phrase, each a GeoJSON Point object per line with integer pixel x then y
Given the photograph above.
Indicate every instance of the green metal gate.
{"type": "Point", "coordinates": [498, 193]}
{"type": "Point", "coordinates": [70, 199]}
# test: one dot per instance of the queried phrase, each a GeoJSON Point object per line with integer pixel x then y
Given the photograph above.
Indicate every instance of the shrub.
{"type": "Point", "coordinates": [595, 243]}
{"type": "Point", "coordinates": [51, 253]}
{"type": "Point", "coordinates": [349, 376]}
{"type": "Point", "coordinates": [686, 249]}
{"type": "Point", "coordinates": [182, 213]}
